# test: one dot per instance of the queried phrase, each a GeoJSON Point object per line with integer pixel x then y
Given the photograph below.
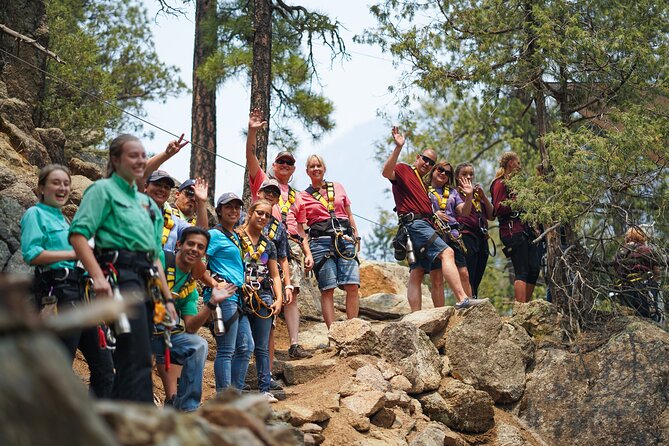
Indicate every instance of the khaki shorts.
{"type": "Point", "coordinates": [296, 264]}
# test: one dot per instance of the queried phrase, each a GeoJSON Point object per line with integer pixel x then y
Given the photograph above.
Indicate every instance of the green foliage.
{"type": "Point", "coordinates": [379, 244]}
{"type": "Point", "coordinates": [109, 53]}
{"type": "Point", "coordinates": [292, 68]}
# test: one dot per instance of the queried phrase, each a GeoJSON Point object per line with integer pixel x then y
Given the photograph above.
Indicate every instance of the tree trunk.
{"type": "Point", "coordinates": [261, 79]}
{"type": "Point", "coordinates": [203, 121]}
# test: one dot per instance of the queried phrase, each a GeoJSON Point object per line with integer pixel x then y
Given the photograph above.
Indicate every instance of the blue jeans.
{"type": "Point", "coordinates": [233, 350]}
{"type": "Point", "coordinates": [261, 328]}
{"type": "Point", "coordinates": [335, 271]}
{"type": "Point", "coordinates": [421, 232]}
{"type": "Point", "coordinates": [189, 350]}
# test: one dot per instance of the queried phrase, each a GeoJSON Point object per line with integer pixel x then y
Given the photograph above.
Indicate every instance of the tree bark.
{"type": "Point", "coordinates": [261, 79]}
{"type": "Point", "coordinates": [203, 121]}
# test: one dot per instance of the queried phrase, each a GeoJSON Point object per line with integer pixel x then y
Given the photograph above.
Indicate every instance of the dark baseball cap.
{"type": "Point", "coordinates": [186, 184]}
{"type": "Point", "coordinates": [227, 198]}
{"type": "Point", "coordinates": [285, 154]}
{"type": "Point", "coordinates": [270, 183]}
{"type": "Point", "coordinates": [158, 175]}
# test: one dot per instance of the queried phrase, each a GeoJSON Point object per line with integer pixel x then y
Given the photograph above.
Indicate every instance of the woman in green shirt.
{"type": "Point", "coordinates": [44, 244]}
{"type": "Point", "coordinates": [127, 226]}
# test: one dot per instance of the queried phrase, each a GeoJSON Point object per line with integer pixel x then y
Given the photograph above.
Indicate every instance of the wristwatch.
{"type": "Point", "coordinates": [289, 287]}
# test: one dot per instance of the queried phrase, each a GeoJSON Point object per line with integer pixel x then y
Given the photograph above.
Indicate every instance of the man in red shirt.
{"type": "Point", "coordinates": [414, 210]}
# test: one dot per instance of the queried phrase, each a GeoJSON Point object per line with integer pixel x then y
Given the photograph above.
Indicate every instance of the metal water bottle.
{"type": "Point", "coordinates": [122, 325]}
{"type": "Point", "coordinates": [219, 325]}
{"type": "Point", "coordinates": [411, 257]}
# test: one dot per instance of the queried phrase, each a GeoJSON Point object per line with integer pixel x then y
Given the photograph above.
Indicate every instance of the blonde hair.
{"type": "Point", "coordinates": [255, 205]}
{"type": "Point", "coordinates": [317, 158]}
{"type": "Point", "coordinates": [635, 235]}
{"type": "Point", "coordinates": [427, 180]}
{"type": "Point", "coordinates": [504, 163]}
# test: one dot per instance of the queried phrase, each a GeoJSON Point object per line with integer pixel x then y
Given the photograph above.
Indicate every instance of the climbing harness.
{"type": "Point", "coordinates": [168, 216]}
{"type": "Point", "coordinates": [285, 205]}
{"type": "Point", "coordinates": [255, 274]}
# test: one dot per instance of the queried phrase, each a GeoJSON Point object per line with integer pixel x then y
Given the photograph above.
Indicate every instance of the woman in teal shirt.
{"type": "Point", "coordinates": [127, 226]}
{"type": "Point", "coordinates": [44, 244]}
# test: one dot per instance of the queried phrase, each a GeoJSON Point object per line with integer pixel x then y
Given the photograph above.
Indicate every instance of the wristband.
{"type": "Point", "coordinates": [289, 287]}
{"type": "Point", "coordinates": [211, 306]}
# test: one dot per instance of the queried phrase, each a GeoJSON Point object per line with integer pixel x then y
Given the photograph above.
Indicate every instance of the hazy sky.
{"type": "Point", "coordinates": [358, 87]}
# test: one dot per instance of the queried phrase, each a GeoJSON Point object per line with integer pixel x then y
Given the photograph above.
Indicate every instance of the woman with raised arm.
{"type": "Point", "coordinates": [127, 226]}
{"type": "Point", "coordinates": [333, 239]}
{"type": "Point", "coordinates": [262, 287]}
{"type": "Point", "coordinates": [516, 236]}
{"type": "Point", "coordinates": [58, 281]}
{"type": "Point", "coordinates": [474, 228]}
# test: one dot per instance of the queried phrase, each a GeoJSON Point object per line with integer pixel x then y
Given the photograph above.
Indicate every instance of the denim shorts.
{"type": "Point", "coordinates": [335, 271]}
{"type": "Point", "coordinates": [420, 232]}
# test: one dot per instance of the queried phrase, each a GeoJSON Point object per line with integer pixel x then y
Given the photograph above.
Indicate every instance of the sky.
{"type": "Point", "coordinates": [358, 87]}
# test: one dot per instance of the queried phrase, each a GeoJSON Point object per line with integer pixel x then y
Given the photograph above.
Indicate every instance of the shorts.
{"type": "Point", "coordinates": [525, 257]}
{"type": "Point", "coordinates": [335, 271]}
{"type": "Point", "coordinates": [295, 260]}
{"type": "Point", "coordinates": [459, 254]}
{"type": "Point", "coordinates": [420, 232]}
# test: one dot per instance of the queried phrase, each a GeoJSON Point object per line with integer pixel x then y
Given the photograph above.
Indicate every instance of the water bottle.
{"type": "Point", "coordinates": [219, 325]}
{"type": "Point", "coordinates": [411, 257]}
{"type": "Point", "coordinates": [122, 325]}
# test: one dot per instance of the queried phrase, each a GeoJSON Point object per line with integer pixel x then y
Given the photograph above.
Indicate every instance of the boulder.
{"type": "Point", "coordinates": [400, 382]}
{"type": "Point", "coordinates": [78, 185]}
{"type": "Point", "coordinates": [488, 354]}
{"type": "Point", "coordinates": [397, 398]}
{"type": "Point", "coordinates": [459, 406]}
{"type": "Point", "coordinates": [365, 403]}
{"type": "Point", "coordinates": [432, 321]}
{"type": "Point", "coordinates": [314, 337]}
{"type": "Point", "coordinates": [80, 167]}
{"type": "Point", "coordinates": [309, 300]}
{"type": "Point", "coordinates": [301, 414]}
{"type": "Point", "coordinates": [408, 348]}
{"type": "Point", "coordinates": [10, 215]}
{"type": "Point", "coordinates": [436, 434]}
{"type": "Point", "coordinates": [383, 418]}
{"type": "Point", "coordinates": [305, 370]}
{"type": "Point", "coordinates": [16, 123]}
{"type": "Point", "coordinates": [385, 306]}
{"type": "Point", "coordinates": [540, 319]}
{"type": "Point", "coordinates": [353, 337]}
{"type": "Point", "coordinates": [16, 265]}
{"type": "Point", "coordinates": [615, 394]}
{"type": "Point", "coordinates": [355, 420]}
{"type": "Point", "coordinates": [54, 142]}
{"type": "Point", "coordinates": [22, 193]}
{"type": "Point", "coordinates": [7, 176]}
{"type": "Point", "coordinates": [5, 254]}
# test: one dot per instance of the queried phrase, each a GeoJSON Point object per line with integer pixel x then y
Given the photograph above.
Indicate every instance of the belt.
{"type": "Point", "coordinates": [61, 275]}
{"type": "Point", "coordinates": [411, 216]}
{"type": "Point", "coordinates": [122, 257]}
{"type": "Point", "coordinates": [296, 238]}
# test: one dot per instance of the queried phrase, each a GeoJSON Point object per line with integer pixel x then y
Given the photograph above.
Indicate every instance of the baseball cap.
{"type": "Point", "coordinates": [270, 183]}
{"type": "Point", "coordinates": [158, 175]}
{"type": "Point", "coordinates": [227, 198]}
{"type": "Point", "coordinates": [285, 154]}
{"type": "Point", "coordinates": [188, 183]}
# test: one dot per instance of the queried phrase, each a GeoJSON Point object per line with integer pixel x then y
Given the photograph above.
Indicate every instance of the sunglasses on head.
{"type": "Point", "coordinates": [444, 170]}
{"type": "Point", "coordinates": [285, 161]}
{"type": "Point", "coordinates": [429, 161]}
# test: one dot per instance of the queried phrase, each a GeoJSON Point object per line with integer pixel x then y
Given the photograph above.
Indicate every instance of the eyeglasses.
{"type": "Point", "coordinates": [429, 161]}
{"type": "Point", "coordinates": [271, 192]}
{"type": "Point", "coordinates": [262, 214]}
{"type": "Point", "coordinates": [444, 171]}
{"type": "Point", "coordinates": [285, 161]}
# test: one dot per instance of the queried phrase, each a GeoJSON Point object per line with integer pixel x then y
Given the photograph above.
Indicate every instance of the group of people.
{"type": "Point", "coordinates": [127, 242]}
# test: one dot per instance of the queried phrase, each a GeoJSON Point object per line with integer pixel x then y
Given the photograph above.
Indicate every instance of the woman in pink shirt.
{"type": "Point", "coordinates": [333, 237]}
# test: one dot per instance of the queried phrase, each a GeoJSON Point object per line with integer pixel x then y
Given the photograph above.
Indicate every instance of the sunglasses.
{"type": "Point", "coordinates": [263, 214]}
{"type": "Point", "coordinates": [444, 171]}
{"type": "Point", "coordinates": [429, 161]}
{"type": "Point", "coordinates": [190, 193]}
{"type": "Point", "coordinates": [271, 192]}
{"type": "Point", "coordinates": [285, 161]}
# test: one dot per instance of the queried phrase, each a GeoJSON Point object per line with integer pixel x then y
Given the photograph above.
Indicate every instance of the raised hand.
{"type": "Point", "coordinates": [255, 119]}
{"type": "Point", "coordinates": [224, 291]}
{"type": "Point", "coordinates": [466, 187]}
{"type": "Point", "coordinates": [398, 137]}
{"type": "Point", "coordinates": [175, 145]}
{"type": "Point", "coordinates": [201, 188]}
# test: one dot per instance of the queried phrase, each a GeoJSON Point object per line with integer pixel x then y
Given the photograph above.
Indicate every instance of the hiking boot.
{"type": "Point", "coordinates": [297, 352]}
{"type": "Point", "coordinates": [270, 398]}
{"type": "Point", "coordinates": [470, 302]}
{"type": "Point", "coordinates": [169, 402]}
{"type": "Point", "coordinates": [275, 385]}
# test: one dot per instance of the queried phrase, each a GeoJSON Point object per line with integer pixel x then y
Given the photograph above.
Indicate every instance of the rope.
{"type": "Point", "coordinates": [149, 123]}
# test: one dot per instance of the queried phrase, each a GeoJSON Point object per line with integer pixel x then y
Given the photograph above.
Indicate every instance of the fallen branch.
{"type": "Point", "coordinates": [32, 42]}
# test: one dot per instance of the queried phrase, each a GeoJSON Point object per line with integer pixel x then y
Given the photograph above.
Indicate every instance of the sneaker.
{"type": "Point", "coordinates": [470, 302]}
{"type": "Point", "coordinates": [275, 385]}
{"type": "Point", "coordinates": [270, 398]}
{"type": "Point", "coordinates": [297, 352]}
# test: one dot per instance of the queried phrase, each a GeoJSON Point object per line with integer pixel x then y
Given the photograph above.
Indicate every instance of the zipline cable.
{"type": "Point", "coordinates": [139, 118]}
